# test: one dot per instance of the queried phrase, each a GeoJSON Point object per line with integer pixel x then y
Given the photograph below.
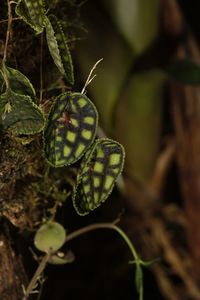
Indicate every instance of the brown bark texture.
{"type": "Point", "coordinates": [12, 274]}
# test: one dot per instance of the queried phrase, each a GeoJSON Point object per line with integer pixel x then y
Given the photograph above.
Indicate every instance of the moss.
{"type": "Point", "coordinates": [24, 197]}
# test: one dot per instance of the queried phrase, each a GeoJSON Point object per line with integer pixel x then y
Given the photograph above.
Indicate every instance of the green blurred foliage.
{"type": "Point", "coordinates": [136, 20]}
{"type": "Point", "coordinates": [129, 103]}
{"type": "Point", "coordinates": [104, 42]}
{"type": "Point", "coordinates": [138, 122]}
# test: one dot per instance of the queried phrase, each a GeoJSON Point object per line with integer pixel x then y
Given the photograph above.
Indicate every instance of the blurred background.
{"type": "Point", "coordinates": [156, 118]}
{"type": "Point", "coordinates": [148, 102]}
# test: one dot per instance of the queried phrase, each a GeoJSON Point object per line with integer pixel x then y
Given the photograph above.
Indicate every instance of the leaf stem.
{"type": "Point", "coordinates": [112, 226]}
{"type": "Point", "coordinates": [36, 276]}
{"type": "Point", "coordinates": [8, 31]}
{"type": "Point", "coordinates": [41, 67]}
{"type": "Point", "coordinates": [77, 233]}
{"type": "Point", "coordinates": [13, 19]}
{"type": "Point", "coordinates": [4, 70]}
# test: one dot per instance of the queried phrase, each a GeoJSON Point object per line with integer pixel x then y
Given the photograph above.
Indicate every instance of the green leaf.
{"type": "Point", "coordinates": [20, 114]}
{"type": "Point", "coordinates": [138, 122]}
{"type": "Point", "coordinates": [58, 48]}
{"type": "Point", "coordinates": [50, 237]}
{"type": "Point", "coordinates": [71, 129]}
{"type": "Point", "coordinates": [137, 21]}
{"type": "Point", "coordinates": [33, 13]}
{"type": "Point", "coordinates": [185, 71]}
{"type": "Point", "coordinates": [98, 172]}
{"type": "Point", "coordinates": [19, 83]}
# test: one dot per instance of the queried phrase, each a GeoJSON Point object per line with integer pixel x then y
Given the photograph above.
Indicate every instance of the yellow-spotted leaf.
{"type": "Point", "coordinates": [99, 170]}
{"type": "Point", "coordinates": [58, 48]}
{"type": "Point", "coordinates": [19, 114]}
{"type": "Point", "coordinates": [33, 13]}
{"type": "Point", "coordinates": [18, 82]}
{"type": "Point", "coordinates": [70, 130]}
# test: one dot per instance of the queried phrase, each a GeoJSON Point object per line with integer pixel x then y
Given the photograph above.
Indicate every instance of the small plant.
{"type": "Point", "coordinates": [69, 135]}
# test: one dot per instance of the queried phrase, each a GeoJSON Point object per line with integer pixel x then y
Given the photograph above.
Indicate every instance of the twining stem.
{"type": "Point", "coordinates": [75, 234]}
{"type": "Point", "coordinates": [41, 67]}
{"type": "Point", "coordinates": [13, 19]}
{"type": "Point", "coordinates": [36, 276]}
{"type": "Point", "coordinates": [6, 44]}
{"type": "Point", "coordinates": [112, 226]}
{"type": "Point", "coordinates": [8, 31]}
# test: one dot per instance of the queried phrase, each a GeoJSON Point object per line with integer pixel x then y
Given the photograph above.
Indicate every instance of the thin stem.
{"type": "Point", "coordinates": [41, 67]}
{"type": "Point", "coordinates": [8, 31]}
{"type": "Point", "coordinates": [13, 19]}
{"type": "Point", "coordinates": [76, 234]}
{"type": "Point", "coordinates": [37, 274]}
{"type": "Point", "coordinates": [112, 226]}
{"type": "Point", "coordinates": [90, 77]}
{"type": "Point", "coordinates": [4, 70]}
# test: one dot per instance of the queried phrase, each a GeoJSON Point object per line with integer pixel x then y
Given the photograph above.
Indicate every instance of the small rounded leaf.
{"type": "Point", "coordinates": [70, 130]}
{"type": "Point", "coordinates": [18, 82]}
{"type": "Point", "coordinates": [50, 237]}
{"type": "Point", "coordinates": [97, 175]}
{"type": "Point", "coordinates": [20, 114]}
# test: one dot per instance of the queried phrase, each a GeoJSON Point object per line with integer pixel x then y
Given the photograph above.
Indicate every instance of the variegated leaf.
{"type": "Point", "coordinates": [99, 170]}
{"type": "Point", "coordinates": [18, 82]}
{"type": "Point", "coordinates": [71, 129]}
{"type": "Point", "coordinates": [20, 114]}
{"type": "Point", "coordinates": [58, 48]}
{"type": "Point", "coordinates": [33, 13]}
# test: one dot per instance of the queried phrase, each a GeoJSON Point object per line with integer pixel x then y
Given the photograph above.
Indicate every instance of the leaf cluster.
{"type": "Point", "coordinates": [69, 135]}
{"type": "Point", "coordinates": [70, 128]}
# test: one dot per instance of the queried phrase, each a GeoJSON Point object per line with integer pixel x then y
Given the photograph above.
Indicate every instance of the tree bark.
{"type": "Point", "coordinates": [185, 107]}
{"type": "Point", "coordinates": [12, 274]}
{"type": "Point", "coordinates": [186, 116]}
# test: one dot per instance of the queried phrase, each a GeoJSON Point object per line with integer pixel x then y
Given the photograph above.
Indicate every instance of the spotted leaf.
{"type": "Point", "coordinates": [20, 114]}
{"type": "Point", "coordinates": [58, 48]}
{"type": "Point", "coordinates": [98, 172]}
{"type": "Point", "coordinates": [33, 13]}
{"type": "Point", "coordinates": [70, 130]}
{"type": "Point", "coordinates": [19, 83]}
